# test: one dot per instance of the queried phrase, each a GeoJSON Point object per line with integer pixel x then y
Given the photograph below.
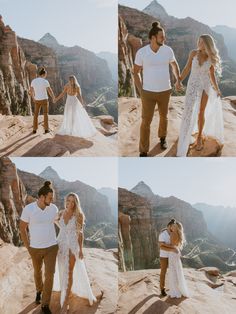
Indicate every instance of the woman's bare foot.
{"type": "Point", "coordinates": [199, 144]}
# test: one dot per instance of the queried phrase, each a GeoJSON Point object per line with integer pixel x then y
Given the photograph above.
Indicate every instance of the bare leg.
{"type": "Point", "coordinates": [70, 282]}
{"type": "Point", "coordinates": [201, 120]}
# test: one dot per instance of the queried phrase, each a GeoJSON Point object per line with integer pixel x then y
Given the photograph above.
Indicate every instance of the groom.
{"type": "Point", "coordinates": [154, 61]}
{"type": "Point", "coordinates": [39, 90]}
{"type": "Point", "coordinates": [164, 244]}
{"type": "Point", "coordinates": [42, 246]}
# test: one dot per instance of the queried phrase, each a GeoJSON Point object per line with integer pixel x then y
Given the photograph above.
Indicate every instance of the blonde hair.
{"type": "Point", "coordinates": [180, 233]}
{"type": "Point", "coordinates": [212, 51]}
{"type": "Point", "coordinates": [73, 83]}
{"type": "Point", "coordinates": [78, 212]}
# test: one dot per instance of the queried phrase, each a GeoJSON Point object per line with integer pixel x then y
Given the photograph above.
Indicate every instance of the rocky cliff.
{"type": "Point", "coordinates": [17, 286]}
{"type": "Point", "coordinates": [142, 216]}
{"type": "Point", "coordinates": [210, 292]}
{"type": "Point", "coordinates": [138, 234]}
{"type": "Point", "coordinates": [15, 73]}
{"type": "Point", "coordinates": [20, 58]}
{"type": "Point", "coordinates": [164, 208]}
{"type": "Point", "coordinates": [128, 45]}
{"type": "Point", "coordinates": [13, 197]}
{"type": "Point", "coordinates": [130, 121]}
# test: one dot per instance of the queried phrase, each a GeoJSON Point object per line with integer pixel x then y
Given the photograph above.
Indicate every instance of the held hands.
{"type": "Point", "coordinates": [176, 250]}
{"type": "Point", "coordinates": [179, 86]}
{"type": "Point", "coordinates": [219, 93]}
{"type": "Point", "coordinates": [81, 255]}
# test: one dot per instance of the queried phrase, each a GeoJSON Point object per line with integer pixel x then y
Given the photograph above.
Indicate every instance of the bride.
{"type": "Point", "coordinates": [176, 281]}
{"type": "Point", "coordinates": [203, 108]}
{"type": "Point", "coordinates": [76, 121]}
{"type": "Point", "coordinates": [71, 274]}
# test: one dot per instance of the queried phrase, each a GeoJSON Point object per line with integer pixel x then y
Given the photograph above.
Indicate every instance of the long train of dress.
{"type": "Point", "coordinates": [199, 81]}
{"type": "Point", "coordinates": [68, 241]}
{"type": "Point", "coordinates": [76, 121]}
{"type": "Point", "coordinates": [175, 277]}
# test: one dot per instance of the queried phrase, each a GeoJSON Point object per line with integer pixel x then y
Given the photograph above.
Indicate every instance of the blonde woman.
{"type": "Point", "coordinates": [76, 121]}
{"type": "Point", "coordinates": [203, 108]}
{"type": "Point", "coordinates": [71, 274]}
{"type": "Point", "coordinates": [176, 281]}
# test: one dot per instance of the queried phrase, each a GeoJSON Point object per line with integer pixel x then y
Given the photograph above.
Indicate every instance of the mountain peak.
{"type": "Point", "coordinates": [50, 174]}
{"type": "Point", "coordinates": [49, 41]}
{"type": "Point", "coordinates": [142, 189]}
{"type": "Point", "coordinates": [157, 10]}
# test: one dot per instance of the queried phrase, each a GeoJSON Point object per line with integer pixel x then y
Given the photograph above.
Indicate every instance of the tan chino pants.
{"type": "Point", "coordinates": [48, 257]}
{"type": "Point", "coordinates": [164, 266]}
{"type": "Point", "coordinates": [149, 101]}
{"type": "Point", "coordinates": [37, 106]}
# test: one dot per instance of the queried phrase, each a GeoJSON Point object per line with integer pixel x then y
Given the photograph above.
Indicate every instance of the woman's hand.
{"type": "Point", "coordinates": [219, 93]}
{"type": "Point", "coordinates": [81, 255]}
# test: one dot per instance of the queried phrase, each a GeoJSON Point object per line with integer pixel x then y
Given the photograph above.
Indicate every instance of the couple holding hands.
{"type": "Point", "coordinates": [76, 121]}
{"type": "Point", "coordinates": [202, 115]}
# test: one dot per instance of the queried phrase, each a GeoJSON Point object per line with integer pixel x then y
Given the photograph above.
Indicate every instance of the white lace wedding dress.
{"type": "Point", "coordinates": [198, 82]}
{"type": "Point", "coordinates": [175, 278]}
{"type": "Point", "coordinates": [76, 121]}
{"type": "Point", "coordinates": [68, 240]}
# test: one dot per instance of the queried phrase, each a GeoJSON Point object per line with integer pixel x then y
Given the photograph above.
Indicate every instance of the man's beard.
{"type": "Point", "coordinates": [159, 44]}
{"type": "Point", "coordinates": [47, 204]}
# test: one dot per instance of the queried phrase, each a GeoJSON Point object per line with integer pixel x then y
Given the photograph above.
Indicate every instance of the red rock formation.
{"type": "Point", "coordinates": [165, 208]}
{"type": "Point", "coordinates": [12, 200]}
{"type": "Point", "coordinates": [14, 75]}
{"type": "Point", "coordinates": [126, 258]}
{"type": "Point", "coordinates": [128, 45]}
{"type": "Point", "coordinates": [142, 233]}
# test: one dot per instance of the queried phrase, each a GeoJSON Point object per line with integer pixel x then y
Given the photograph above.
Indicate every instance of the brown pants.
{"type": "Point", "coordinates": [48, 256]}
{"type": "Point", "coordinates": [164, 266]}
{"type": "Point", "coordinates": [37, 106]}
{"type": "Point", "coordinates": [149, 101]}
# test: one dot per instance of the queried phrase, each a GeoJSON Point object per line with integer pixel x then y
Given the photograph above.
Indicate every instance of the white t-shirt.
{"type": "Point", "coordinates": [156, 74]}
{"type": "Point", "coordinates": [41, 224]}
{"type": "Point", "coordinates": [40, 86]}
{"type": "Point", "coordinates": [164, 237]}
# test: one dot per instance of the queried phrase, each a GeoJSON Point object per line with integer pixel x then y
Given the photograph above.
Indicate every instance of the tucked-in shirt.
{"type": "Point", "coordinates": [156, 73]}
{"type": "Point", "coordinates": [41, 225]}
{"type": "Point", "coordinates": [164, 237]}
{"type": "Point", "coordinates": [40, 86]}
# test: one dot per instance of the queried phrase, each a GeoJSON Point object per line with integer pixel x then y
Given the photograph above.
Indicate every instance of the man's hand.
{"type": "Point", "coordinates": [176, 250]}
{"type": "Point", "coordinates": [179, 86]}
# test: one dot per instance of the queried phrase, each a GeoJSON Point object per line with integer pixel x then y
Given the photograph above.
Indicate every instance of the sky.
{"type": "Point", "coordinates": [96, 172]}
{"type": "Point", "coordinates": [210, 12]}
{"type": "Point", "coordinates": [207, 180]}
{"type": "Point", "coordinates": [91, 24]}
